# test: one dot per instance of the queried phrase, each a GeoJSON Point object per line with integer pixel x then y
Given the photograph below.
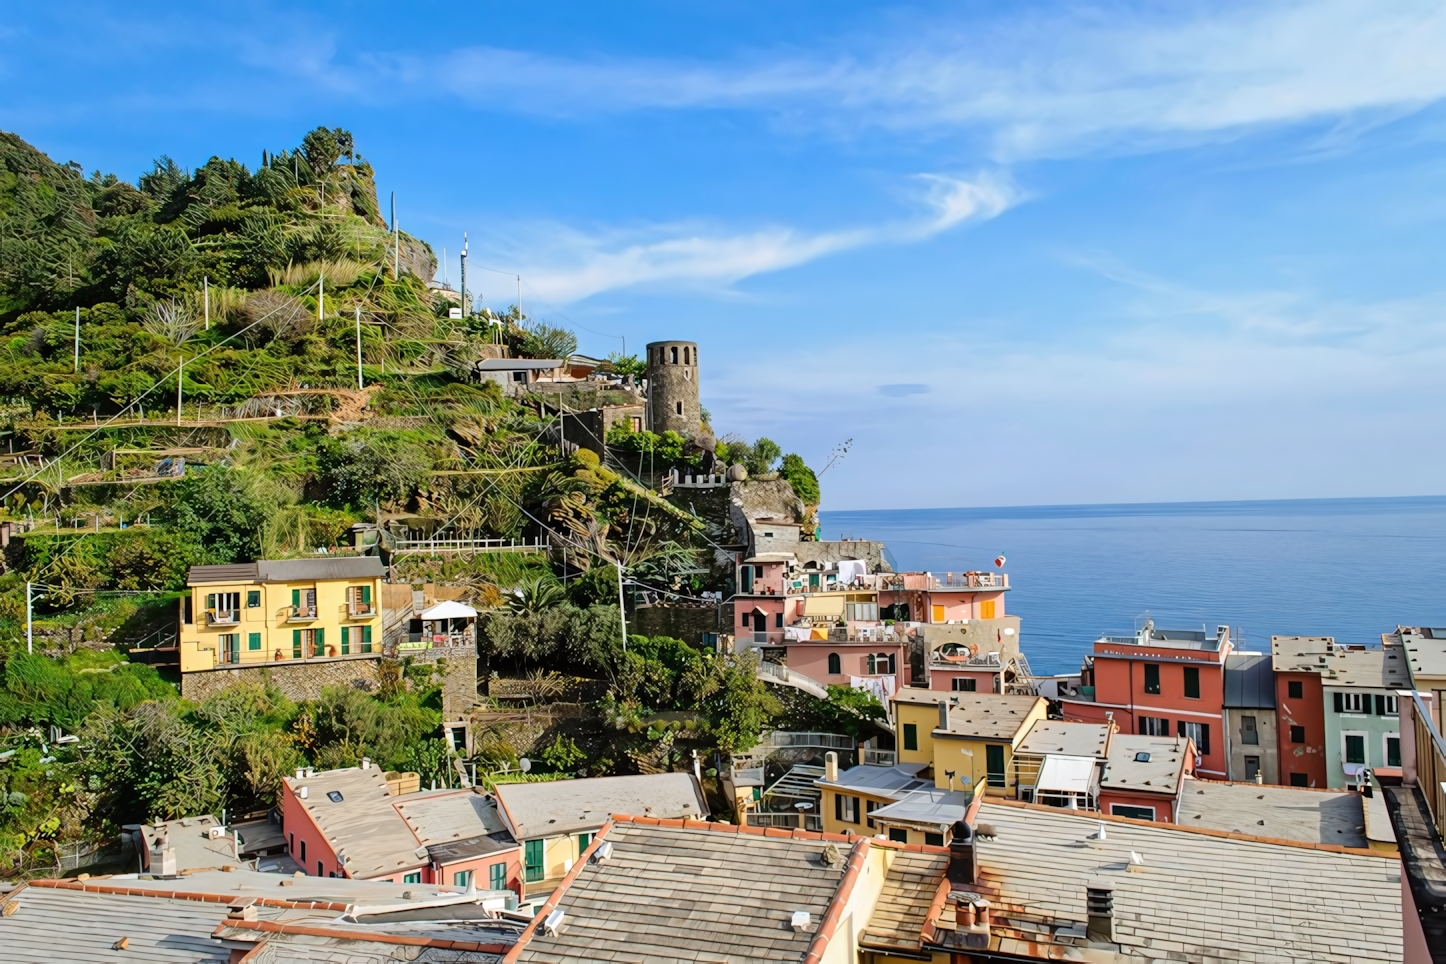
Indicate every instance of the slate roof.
{"type": "Point", "coordinates": [191, 839]}
{"type": "Point", "coordinates": [1201, 897]}
{"type": "Point", "coordinates": [880, 781]}
{"type": "Point", "coordinates": [537, 810]}
{"type": "Point", "coordinates": [442, 816]}
{"type": "Point", "coordinates": [50, 925]}
{"type": "Point", "coordinates": [302, 949]}
{"type": "Point", "coordinates": [898, 919]}
{"type": "Point", "coordinates": [690, 894]}
{"type": "Point", "coordinates": [364, 826]}
{"type": "Point", "coordinates": [1070, 739]}
{"type": "Point", "coordinates": [1425, 650]}
{"type": "Point", "coordinates": [985, 716]}
{"type": "Point", "coordinates": [1249, 681]}
{"type": "Point", "coordinates": [288, 570]}
{"type": "Point", "coordinates": [1290, 813]}
{"type": "Point", "coordinates": [1161, 773]}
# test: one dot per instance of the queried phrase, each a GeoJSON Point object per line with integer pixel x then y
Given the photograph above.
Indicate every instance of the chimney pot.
{"type": "Point", "coordinates": [366, 763]}
{"type": "Point", "coordinates": [830, 766]}
{"type": "Point", "coordinates": [963, 855]}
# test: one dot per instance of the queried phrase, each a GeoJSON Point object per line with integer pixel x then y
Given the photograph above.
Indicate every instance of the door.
{"type": "Point", "coordinates": [936, 614]}
{"type": "Point", "coordinates": [1252, 767]}
{"type": "Point", "coordinates": [986, 609]}
{"type": "Point", "coordinates": [994, 763]}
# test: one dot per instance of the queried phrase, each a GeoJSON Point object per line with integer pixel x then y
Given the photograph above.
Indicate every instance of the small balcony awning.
{"type": "Point", "coordinates": [451, 609]}
{"type": "Point", "coordinates": [823, 605]}
{"type": "Point", "coordinates": [1067, 774]}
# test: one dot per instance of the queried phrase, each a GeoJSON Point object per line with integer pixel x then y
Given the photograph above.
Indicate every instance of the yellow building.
{"type": "Point", "coordinates": [964, 739]}
{"type": "Point", "coordinates": [275, 612]}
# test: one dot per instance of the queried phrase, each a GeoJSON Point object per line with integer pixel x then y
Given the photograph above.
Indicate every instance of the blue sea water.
{"type": "Point", "coordinates": [1348, 568]}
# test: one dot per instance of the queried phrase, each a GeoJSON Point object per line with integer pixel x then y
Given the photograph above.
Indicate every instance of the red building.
{"type": "Point", "coordinates": [1160, 683]}
{"type": "Point", "coordinates": [1300, 708]}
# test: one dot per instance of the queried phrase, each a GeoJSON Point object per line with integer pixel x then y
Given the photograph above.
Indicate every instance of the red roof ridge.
{"type": "Point", "coordinates": [99, 888]}
{"type": "Point", "coordinates": [313, 930]}
{"type": "Point", "coordinates": [819, 945]}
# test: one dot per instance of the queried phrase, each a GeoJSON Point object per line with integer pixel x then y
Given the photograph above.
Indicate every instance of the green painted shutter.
{"type": "Point", "coordinates": [319, 649]}
{"type": "Point", "coordinates": [296, 597]}
{"type": "Point", "coordinates": [345, 640]}
{"type": "Point", "coordinates": [210, 600]}
{"type": "Point", "coordinates": [366, 595]}
{"type": "Point", "coordinates": [366, 633]}
{"type": "Point", "coordinates": [296, 644]}
{"type": "Point", "coordinates": [253, 641]}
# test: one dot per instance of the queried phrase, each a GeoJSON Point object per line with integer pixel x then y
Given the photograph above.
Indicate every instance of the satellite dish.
{"type": "Point", "coordinates": [525, 765]}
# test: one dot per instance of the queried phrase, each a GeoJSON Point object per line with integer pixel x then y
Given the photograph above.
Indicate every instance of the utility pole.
{"type": "Point", "coordinates": [180, 367]}
{"type": "Point", "coordinates": [29, 641]}
{"type": "Point", "coordinates": [464, 274]}
{"type": "Point", "coordinates": [320, 296]}
{"type": "Point", "coordinates": [622, 613]}
{"type": "Point", "coordinates": [396, 241]}
{"type": "Point", "coordinates": [77, 339]}
{"type": "Point", "coordinates": [206, 299]}
{"type": "Point", "coordinates": [358, 349]}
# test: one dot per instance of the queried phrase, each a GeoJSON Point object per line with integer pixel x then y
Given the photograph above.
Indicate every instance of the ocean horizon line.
{"type": "Point", "coordinates": [1142, 507]}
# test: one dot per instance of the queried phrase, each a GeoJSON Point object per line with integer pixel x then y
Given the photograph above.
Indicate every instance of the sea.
{"type": "Point", "coordinates": [1348, 568]}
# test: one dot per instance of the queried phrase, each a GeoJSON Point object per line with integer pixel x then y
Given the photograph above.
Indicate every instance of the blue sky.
{"type": "Point", "coordinates": [1019, 253]}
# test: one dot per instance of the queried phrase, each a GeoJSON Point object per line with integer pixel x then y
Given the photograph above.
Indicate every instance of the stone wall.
{"type": "Point", "coordinates": [687, 623]}
{"type": "Point", "coordinates": [298, 680]}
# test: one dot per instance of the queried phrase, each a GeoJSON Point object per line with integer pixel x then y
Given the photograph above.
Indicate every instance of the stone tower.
{"type": "Point", "coordinates": [673, 388]}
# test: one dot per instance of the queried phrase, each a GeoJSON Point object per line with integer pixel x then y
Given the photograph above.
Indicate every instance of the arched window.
{"type": "Point", "coordinates": [674, 353]}
{"type": "Point", "coordinates": [685, 357]}
{"type": "Point", "coordinates": [835, 665]}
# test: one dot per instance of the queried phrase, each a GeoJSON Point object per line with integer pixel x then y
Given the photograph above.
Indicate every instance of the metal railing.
{"type": "Point", "coordinates": [793, 821]}
{"type": "Point", "coordinates": [782, 674]}
{"type": "Point", "coordinates": [878, 758]}
{"type": "Point", "coordinates": [404, 544]}
{"type": "Point", "coordinates": [357, 610]}
{"type": "Point", "coordinates": [301, 612]}
{"type": "Point", "coordinates": [223, 617]}
{"type": "Point", "coordinates": [1430, 763]}
{"type": "Point", "coordinates": [949, 580]}
{"type": "Point", "coordinates": [779, 739]}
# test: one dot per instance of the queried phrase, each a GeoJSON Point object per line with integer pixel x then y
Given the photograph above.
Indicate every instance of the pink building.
{"type": "Point", "coordinates": [351, 823]}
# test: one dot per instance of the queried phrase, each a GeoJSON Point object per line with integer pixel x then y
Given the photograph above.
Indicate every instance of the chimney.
{"type": "Point", "coordinates": [163, 855]}
{"type": "Point", "coordinates": [300, 772]}
{"type": "Point", "coordinates": [971, 914]}
{"type": "Point", "coordinates": [830, 766]}
{"type": "Point", "coordinates": [963, 855]}
{"type": "Point", "coordinates": [366, 763]}
{"type": "Point", "coordinates": [943, 715]}
{"type": "Point", "coordinates": [1100, 907]}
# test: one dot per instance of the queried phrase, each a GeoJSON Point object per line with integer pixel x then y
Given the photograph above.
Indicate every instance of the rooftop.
{"type": "Point", "coordinates": [931, 807]}
{"type": "Point", "coordinates": [1249, 681]}
{"type": "Point", "coordinates": [1289, 813]}
{"type": "Point", "coordinates": [1341, 664]}
{"type": "Point", "coordinates": [1201, 896]}
{"type": "Point", "coordinates": [361, 822]}
{"type": "Point", "coordinates": [693, 893]}
{"type": "Point", "coordinates": [909, 887]}
{"type": "Point", "coordinates": [196, 849]}
{"type": "Point", "coordinates": [455, 824]}
{"type": "Point", "coordinates": [1070, 739]}
{"type": "Point", "coordinates": [1145, 764]}
{"type": "Point", "coordinates": [1149, 637]}
{"type": "Point", "coordinates": [1425, 649]}
{"type": "Point", "coordinates": [880, 781]}
{"type": "Point", "coordinates": [288, 570]}
{"type": "Point", "coordinates": [49, 924]}
{"type": "Point", "coordinates": [566, 806]}
{"type": "Point", "coordinates": [988, 716]}
{"type": "Point", "coordinates": [518, 364]}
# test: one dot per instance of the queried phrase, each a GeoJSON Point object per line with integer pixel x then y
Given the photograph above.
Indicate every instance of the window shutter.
{"type": "Point", "coordinates": [366, 634]}
{"type": "Point", "coordinates": [296, 597]}
{"type": "Point", "coordinates": [366, 595]}
{"type": "Point", "coordinates": [1380, 705]}
{"type": "Point", "coordinates": [1179, 725]}
{"type": "Point", "coordinates": [838, 806]}
{"type": "Point", "coordinates": [210, 600]}
{"type": "Point", "coordinates": [856, 810]}
{"type": "Point", "coordinates": [1204, 737]}
{"type": "Point", "coordinates": [1339, 702]}
{"type": "Point", "coordinates": [320, 640]}
{"type": "Point", "coordinates": [345, 640]}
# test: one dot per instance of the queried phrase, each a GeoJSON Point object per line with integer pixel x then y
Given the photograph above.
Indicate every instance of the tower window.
{"type": "Point", "coordinates": [685, 357]}
{"type": "Point", "coordinates": [674, 353]}
{"type": "Point", "coordinates": [680, 407]}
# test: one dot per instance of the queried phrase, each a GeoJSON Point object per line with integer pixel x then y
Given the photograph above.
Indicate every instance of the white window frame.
{"type": "Point", "coordinates": [1386, 739]}
{"type": "Point", "coordinates": [1365, 746]}
{"type": "Point", "coordinates": [1366, 700]}
{"type": "Point", "coordinates": [1115, 807]}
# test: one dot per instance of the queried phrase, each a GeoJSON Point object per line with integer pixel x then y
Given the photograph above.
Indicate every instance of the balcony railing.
{"type": "Point", "coordinates": [949, 580]}
{"type": "Point", "coordinates": [1430, 762]}
{"type": "Point", "coordinates": [879, 758]}
{"type": "Point", "coordinates": [223, 617]}
{"type": "Point", "coordinates": [301, 613]}
{"type": "Point", "coordinates": [794, 821]}
{"type": "Point", "coordinates": [780, 739]}
{"type": "Point", "coordinates": [359, 610]}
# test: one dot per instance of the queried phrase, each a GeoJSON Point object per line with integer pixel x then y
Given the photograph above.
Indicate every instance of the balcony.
{"type": "Point", "coordinates": [223, 617]}
{"type": "Point", "coordinates": [878, 758]}
{"type": "Point", "coordinates": [792, 821]}
{"type": "Point", "coordinates": [361, 610]}
{"type": "Point", "coordinates": [300, 614]}
{"type": "Point", "coordinates": [415, 641]}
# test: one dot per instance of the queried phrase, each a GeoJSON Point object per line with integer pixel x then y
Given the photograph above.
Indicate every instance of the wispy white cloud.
{"type": "Point", "coordinates": [1030, 85]}
{"type": "Point", "coordinates": [563, 264]}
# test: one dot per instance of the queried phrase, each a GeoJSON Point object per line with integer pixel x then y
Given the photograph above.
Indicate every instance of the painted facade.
{"type": "Point", "coordinates": [279, 612]}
